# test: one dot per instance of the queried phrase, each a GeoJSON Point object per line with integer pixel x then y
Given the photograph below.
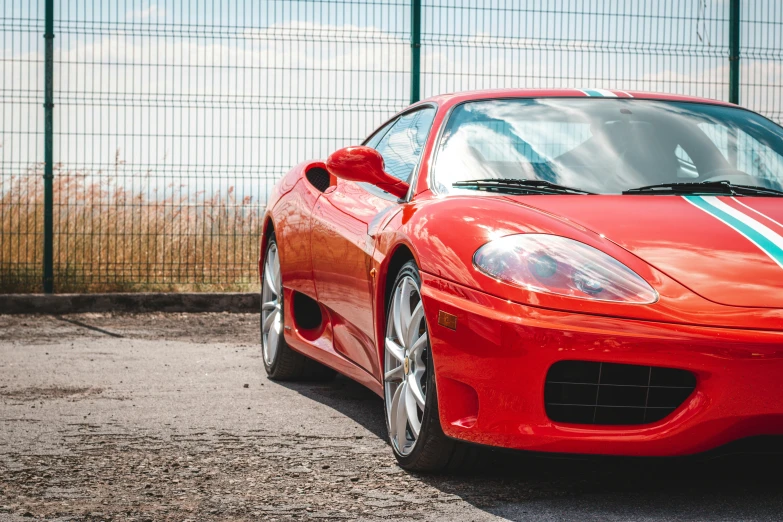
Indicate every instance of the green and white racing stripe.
{"type": "Point", "coordinates": [769, 241]}
{"type": "Point", "coordinates": [599, 93]}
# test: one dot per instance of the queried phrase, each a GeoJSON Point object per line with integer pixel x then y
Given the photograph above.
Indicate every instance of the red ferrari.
{"type": "Point", "coordinates": [580, 271]}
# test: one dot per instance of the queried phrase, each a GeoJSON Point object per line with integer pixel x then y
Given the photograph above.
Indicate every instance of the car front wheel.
{"type": "Point", "coordinates": [410, 395]}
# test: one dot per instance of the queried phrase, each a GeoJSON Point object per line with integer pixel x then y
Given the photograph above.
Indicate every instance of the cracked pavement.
{"type": "Point", "coordinates": [170, 417]}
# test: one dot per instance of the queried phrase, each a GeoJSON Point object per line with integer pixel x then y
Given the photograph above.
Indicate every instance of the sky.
{"type": "Point", "coordinates": [204, 95]}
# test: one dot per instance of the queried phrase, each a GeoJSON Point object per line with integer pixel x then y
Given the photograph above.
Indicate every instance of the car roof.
{"type": "Point", "coordinates": [459, 97]}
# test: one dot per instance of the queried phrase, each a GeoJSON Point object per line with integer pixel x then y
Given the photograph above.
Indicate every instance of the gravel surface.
{"type": "Point", "coordinates": [170, 417]}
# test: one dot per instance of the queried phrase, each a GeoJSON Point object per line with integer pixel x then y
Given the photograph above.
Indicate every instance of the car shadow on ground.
{"type": "Point", "coordinates": [741, 482]}
{"type": "Point", "coordinates": [347, 397]}
{"type": "Point", "coordinates": [521, 486]}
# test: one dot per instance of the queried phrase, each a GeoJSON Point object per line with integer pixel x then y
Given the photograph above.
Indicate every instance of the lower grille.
{"type": "Point", "coordinates": [584, 392]}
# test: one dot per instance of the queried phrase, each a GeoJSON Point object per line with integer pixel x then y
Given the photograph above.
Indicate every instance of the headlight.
{"type": "Point", "coordinates": [562, 266]}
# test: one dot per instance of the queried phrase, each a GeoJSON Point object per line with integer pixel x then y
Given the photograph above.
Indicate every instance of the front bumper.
{"type": "Point", "coordinates": [491, 373]}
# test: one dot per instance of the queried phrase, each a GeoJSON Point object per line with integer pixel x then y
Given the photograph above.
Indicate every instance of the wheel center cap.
{"type": "Point", "coordinates": [406, 365]}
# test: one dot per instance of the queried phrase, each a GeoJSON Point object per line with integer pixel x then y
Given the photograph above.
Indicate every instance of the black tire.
{"type": "Point", "coordinates": [433, 451]}
{"type": "Point", "coordinates": [287, 364]}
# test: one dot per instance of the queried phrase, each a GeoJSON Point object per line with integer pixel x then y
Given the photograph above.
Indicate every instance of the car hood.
{"type": "Point", "coordinates": [728, 250]}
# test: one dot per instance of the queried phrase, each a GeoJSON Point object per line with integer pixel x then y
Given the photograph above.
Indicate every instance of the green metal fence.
{"type": "Point", "coordinates": [140, 137]}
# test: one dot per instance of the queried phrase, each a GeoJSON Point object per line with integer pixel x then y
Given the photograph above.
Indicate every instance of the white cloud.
{"type": "Point", "coordinates": [150, 12]}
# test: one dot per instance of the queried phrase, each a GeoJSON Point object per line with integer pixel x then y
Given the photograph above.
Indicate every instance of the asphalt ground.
{"type": "Point", "coordinates": [170, 417]}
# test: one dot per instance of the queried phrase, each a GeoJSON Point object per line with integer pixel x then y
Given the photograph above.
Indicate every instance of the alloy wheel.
{"type": "Point", "coordinates": [272, 305]}
{"type": "Point", "coordinates": [405, 365]}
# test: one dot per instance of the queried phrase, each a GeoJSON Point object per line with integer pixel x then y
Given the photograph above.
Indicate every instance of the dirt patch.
{"type": "Point", "coordinates": [53, 392]}
{"type": "Point", "coordinates": [219, 475]}
{"type": "Point", "coordinates": [197, 328]}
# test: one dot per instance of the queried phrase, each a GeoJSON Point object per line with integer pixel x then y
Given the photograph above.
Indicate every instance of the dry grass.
{"type": "Point", "coordinates": [109, 240]}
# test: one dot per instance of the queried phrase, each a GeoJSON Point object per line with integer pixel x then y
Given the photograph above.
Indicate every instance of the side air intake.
{"type": "Point", "coordinates": [585, 392]}
{"type": "Point", "coordinates": [319, 178]}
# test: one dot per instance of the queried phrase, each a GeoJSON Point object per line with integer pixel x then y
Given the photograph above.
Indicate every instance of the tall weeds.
{"type": "Point", "coordinates": [108, 239]}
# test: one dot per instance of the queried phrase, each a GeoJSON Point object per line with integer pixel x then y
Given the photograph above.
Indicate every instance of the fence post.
{"type": "Point", "coordinates": [48, 246]}
{"type": "Point", "coordinates": [734, 51]}
{"type": "Point", "coordinates": [415, 50]}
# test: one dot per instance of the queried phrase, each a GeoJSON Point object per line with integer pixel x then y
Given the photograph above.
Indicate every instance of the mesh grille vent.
{"type": "Point", "coordinates": [319, 178]}
{"type": "Point", "coordinates": [583, 392]}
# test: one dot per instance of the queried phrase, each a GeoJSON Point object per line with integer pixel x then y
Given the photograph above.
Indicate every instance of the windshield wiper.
{"type": "Point", "coordinates": [723, 188]}
{"type": "Point", "coordinates": [517, 186]}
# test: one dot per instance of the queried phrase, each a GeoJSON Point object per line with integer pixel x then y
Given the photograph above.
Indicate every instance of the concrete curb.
{"type": "Point", "coordinates": [142, 302]}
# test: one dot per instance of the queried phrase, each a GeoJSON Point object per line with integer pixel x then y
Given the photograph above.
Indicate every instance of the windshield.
{"type": "Point", "coordinates": [607, 146]}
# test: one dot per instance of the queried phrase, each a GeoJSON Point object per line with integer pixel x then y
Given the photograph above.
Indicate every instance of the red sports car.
{"type": "Point", "coordinates": [581, 271]}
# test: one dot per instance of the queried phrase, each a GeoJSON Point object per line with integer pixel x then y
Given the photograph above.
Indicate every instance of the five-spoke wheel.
{"type": "Point", "coordinates": [405, 365]}
{"type": "Point", "coordinates": [271, 305]}
{"type": "Point", "coordinates": [410, 393]}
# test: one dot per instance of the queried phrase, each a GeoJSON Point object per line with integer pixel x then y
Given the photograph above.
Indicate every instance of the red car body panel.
{"type": "Point", "coordinates": [719, 312]}
{"type": "Point", "coordinates": [342, 253]}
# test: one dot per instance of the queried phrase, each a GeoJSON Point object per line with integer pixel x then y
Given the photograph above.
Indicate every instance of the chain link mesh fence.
{"type": "Point", "coordinates": [173, 118]}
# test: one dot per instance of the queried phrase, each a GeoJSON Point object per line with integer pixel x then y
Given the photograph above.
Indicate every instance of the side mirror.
{"type": "Point", "coordinates": [364, 164]}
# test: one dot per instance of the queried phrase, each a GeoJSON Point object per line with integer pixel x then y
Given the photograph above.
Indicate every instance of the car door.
{"type": "Point", "coordinates": [341, 247]}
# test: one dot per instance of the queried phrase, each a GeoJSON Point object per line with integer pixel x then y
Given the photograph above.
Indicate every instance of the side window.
{"type": "Point", "coordinates": [402, 145]}
{"type": "Point", "coordinates": [379, 134]}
